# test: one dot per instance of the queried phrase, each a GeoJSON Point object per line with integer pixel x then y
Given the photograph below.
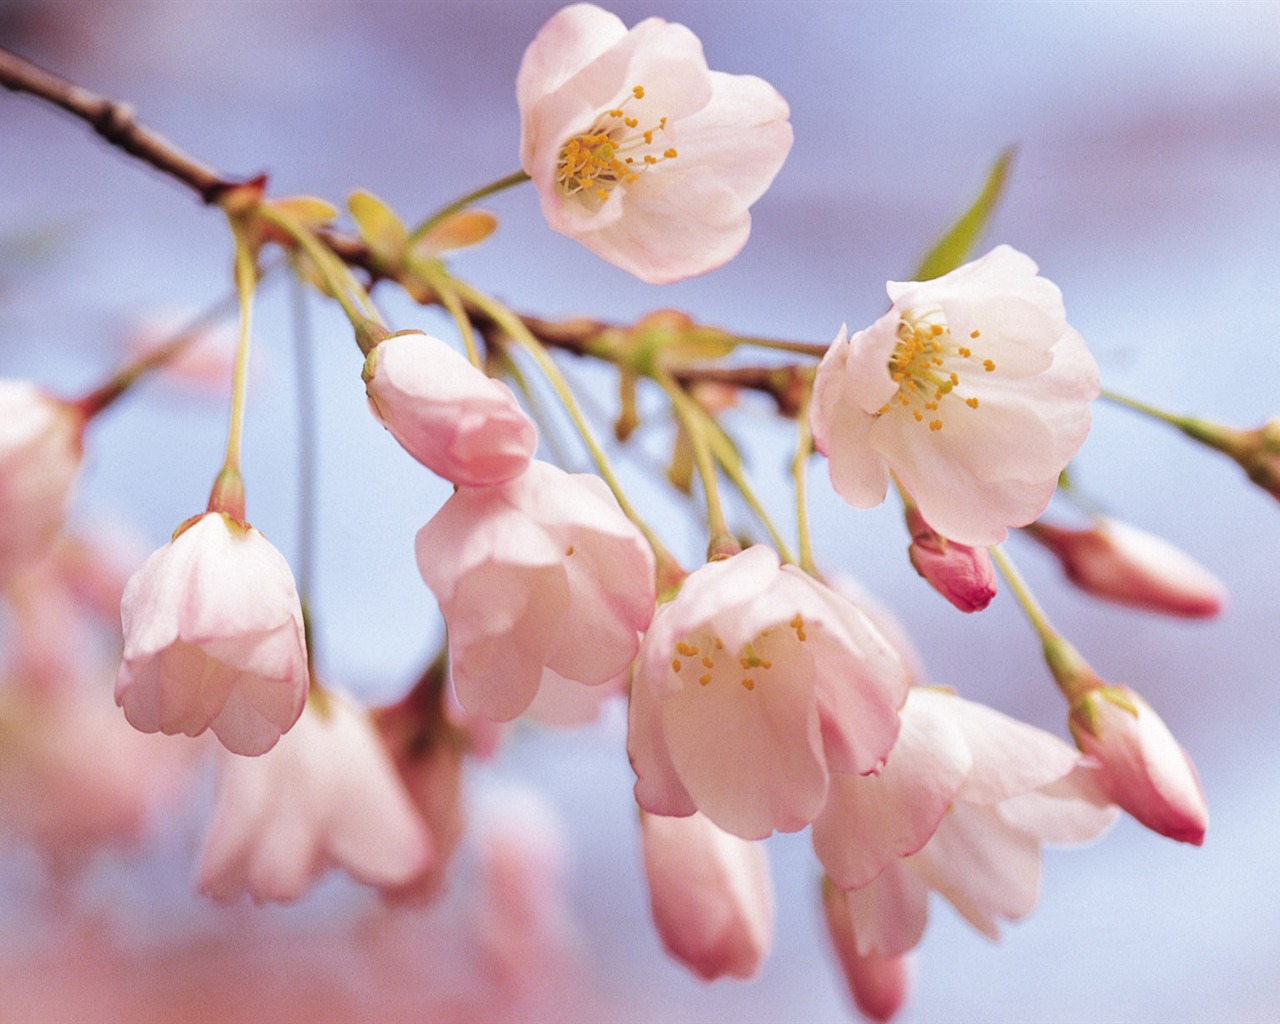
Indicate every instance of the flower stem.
{"type": "Point", "coordinates": [432, 271]}
{"type": "Point", "coordinates": [689, 413]}
{"type": "Point", "coordinates": [461, 203]}
{"type": "Point", "coordinates": [802, 348]}
{"type": "Point", "coordinates": [799, 476]}
{"type": "Point", "coordinates": [246, 281]}
{"type": "Point", "coordinates": [1146, 409]}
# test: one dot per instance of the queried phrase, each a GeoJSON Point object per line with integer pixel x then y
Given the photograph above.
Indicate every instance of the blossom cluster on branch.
{"type": "Point", "coordinates": [764, 694]}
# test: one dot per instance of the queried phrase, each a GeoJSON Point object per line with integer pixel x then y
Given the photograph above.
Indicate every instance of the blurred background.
{"type": "Point", "coordinates": [1146, 185]}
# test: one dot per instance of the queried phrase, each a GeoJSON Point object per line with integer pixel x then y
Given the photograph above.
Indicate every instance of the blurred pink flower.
{"type": "Point", "coordinates": [878, 984]}
{"type": "Point", "coordinates": [962, 574]}
{"type": "Point", "coordinates": [640, 152]}
{"type": "Point", "coordinates": [542, 573]}
{"type": "Point", "coordinates": [751, 685]}
{"type": "Point", "coordinates": [972, 390]}
{"type": "Point", "coordinates": [40, 455]}
{"type": "Point", "coordinates": [204, 364]}
{"type": "Point", "coordinates": [1144, 770]}
{"type": "Point", "coordinates": [1119, 562]}
{"type": "Point", "coordinates": [326, 796]}
{"type": "Point", "coordinates": [213, 638]}
{"type": "Point", "coordinates": [962, 806]}
{"type": "Point", "coordinates": [459, 423]}
{"type": "Point", "coordinates": [709, 894]}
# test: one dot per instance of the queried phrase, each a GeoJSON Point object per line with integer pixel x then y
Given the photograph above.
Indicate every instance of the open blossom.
{"type": "Point", "coordinates": [640, 152]}
{"type": "Point", "coordinates": [752, 685]}
{"type": "Point", "coordinates": [213, 638]}
{"type": "Point", "coordinates": [1119, 562]}
{"type": "Point", "coordinates": [327, 795]}
{"type": "Point", "coordinates": [709, 893]}
{"type": "Point", "coordinates": [1144, 769]}
{"type": "Point", "coordinates": [456, 421]}
{"type": "Point", "coordinates": [962, 807]}
{"type": "Point", "coordinates": [972, 390]}
{"type": "Point", "coordinates": [544, 573]}
{"type": "Point", "coordinates": [40, 457]}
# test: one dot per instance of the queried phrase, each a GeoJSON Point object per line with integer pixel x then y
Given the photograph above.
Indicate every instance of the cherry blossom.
{"type": "Point", "coordinates": [1144, 769]}
{"type": "Point", "coordinates": [544, 573]}
{"type": "Point", "coordinates": [878, 984]}
{"type": "Point", "coordinates": [213, 638]}
{"type": "Point", "coordinates": [964, 575]}
{"type": "Point", "coordinates": [462, 425]}
{"type": "Point", "coordinates": [709, 894]}
{"type": "Point", "coordinates": [40, 456]}
{"type": "Point", "coordinates": [962, 807]}
{"type": "Point", "coordinates": [640, 152]}
{"type": "Point", "coordinates": [1119, 562]}
{"type": "Point", "coordinates": [972, 390]}
{"type": "Point", "coordinates": [753, 684]}
{"type": "Point", "coordinates": [327, 795]}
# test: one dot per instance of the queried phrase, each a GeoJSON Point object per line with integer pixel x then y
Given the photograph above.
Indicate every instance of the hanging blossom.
{"type": "Point", "coordinates": [41, 451]}
{"type": "Point", "coordinates": [972, 390]}
{"type": "Point", "coordinates": [709, 894]}
{"type": "Point", "coordinates": [752, 685]}
{"type": "Point", "coordinates": [962, 807]}
{"type": "Point", "coordinates": [878, 984]}
{"type": "Point", "coordinates": [640, 152]}
{"type": "Point", "coordinates": [459, 423]}
{"type": "Point", "coordinates": [544, 574]}
{"type": "Point", "coordinates": [213, 638]}
{"type": "Point", "coordinates": [327, 795]}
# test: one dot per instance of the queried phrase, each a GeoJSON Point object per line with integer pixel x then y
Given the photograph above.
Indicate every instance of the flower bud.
{"type": "Point", "coordinates": [879, 984]}
{"type": "Point", "coordinates": [1120, 563]}
{"type": "Point", "coordinates": [709, 894]}
{"type": "Point", "coordinates": [963, 575]}
{"type": "Point", "coordinates": [1144, 770]}
{"type": "Point", "coordinates": [457, 422]}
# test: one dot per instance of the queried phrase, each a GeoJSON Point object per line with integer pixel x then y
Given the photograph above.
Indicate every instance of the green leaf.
{"type": "Point", "coordinates": [957, 245]}
{"type": "Point", "coordinates": [382, 231]}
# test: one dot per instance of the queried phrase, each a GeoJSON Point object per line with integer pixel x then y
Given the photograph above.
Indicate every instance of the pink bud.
{"type": "Point", "coordinates": [448, 415]}
{"type": "Point", "coordinates": [879, 984]}
{"type": "Point", "coordinates": [1144, 770]}
{"type": "Point", "coordinates": [40, 456]}
{"type": "Point", "coordinates": [709, 893]}
{"type": "Point", "coordinates": [962, 574]}
{"type": "Point", "coordinates": [213, 638]}
{"type": "Point", "coordinates": [1121, 563]}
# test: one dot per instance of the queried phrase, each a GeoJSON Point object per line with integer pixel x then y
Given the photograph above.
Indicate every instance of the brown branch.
{"type": "Point", "coordinates": [115, 122]}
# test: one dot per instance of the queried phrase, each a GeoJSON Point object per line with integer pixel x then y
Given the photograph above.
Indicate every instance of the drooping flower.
{"type": "Point", "coordinates": [1144, 769]}
{"type": "Point", "coordinates": [544, 573]}
{"type": "Point", "coordinates": [879, 984]}
{"type": "Point", "coordinates": [459, 423]}
{"type": "Point", "coordinates": [640, 152]}
{"type": "Point", "coordinates": [964, 575]}
{"type": "Point", "coordinates": [962, 807]}
{"type": "Point", "coordinates": [752, 685]}
{"type": "Point", "coordinates": [709, 894]}
{"type": "Point", "coordinates": [1119, 562]}
{"type": "Point", "coordinates": [972, 390]}
{"type": "Point", "coordinates": [327, 795]}
{"type": "Point", "coordinates": [40, 456]}
{"type": "Point", "coordinates": [213, 638]}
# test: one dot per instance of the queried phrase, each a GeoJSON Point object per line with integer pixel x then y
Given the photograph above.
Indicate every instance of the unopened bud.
{"type": "Point", "coordinates": [962, 574]}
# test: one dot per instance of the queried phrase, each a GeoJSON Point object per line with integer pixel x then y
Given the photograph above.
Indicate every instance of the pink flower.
{"type": "Point", "coordinates": [972, 390]}
{"type": "Point", "coordinates": [1144, 770]}
{"type": "Point", "coordinates": [448, 415]}
{"type": "Point", "coordinates": [40, 456]}
{"type": "Point", "coordinates": [963, 575]}
{"type": "Point", "coordinates": [878, 984]}
{"type": "Point", "coordinates": [751, 685]}
{"type": "Point", "coordinates": [709, 894]}
{"type": "Point", "coordinates": [213, 638]}
{"type": "Point", "coordinates": [1121, 563]}
{"type": "Point", "coordinates": [542, 573]}
{"type": "Point", "coordinates": [637, 150]}
{"type": "Point", "coordinates": [963, 805]}
{"type": "Point", "coordinates": [326, 796]}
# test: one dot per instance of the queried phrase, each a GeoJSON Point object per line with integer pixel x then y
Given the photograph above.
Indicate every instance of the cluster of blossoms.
{"type": "Point", "coordinates": [761, 697]}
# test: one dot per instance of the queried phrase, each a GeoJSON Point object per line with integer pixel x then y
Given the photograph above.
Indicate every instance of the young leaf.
{"type": "Point", "coordinates": [957, 244]}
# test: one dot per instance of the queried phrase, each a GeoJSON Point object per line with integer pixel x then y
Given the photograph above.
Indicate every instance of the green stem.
{"type": "Point", "coordinates": [1147, 410]}
{"type": "Point", "coordinates": [802, 348]}
{"type": "Point", "coordinates": [799, 476]}
{"type": "Point", "coordinates": [433, 273]}
{"type": "Point", "coordinates": [442, 214]}
{"type": "Point", "coordinates": [246, 280]}
{"type": "Point", "coordinates": [688, 413]}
